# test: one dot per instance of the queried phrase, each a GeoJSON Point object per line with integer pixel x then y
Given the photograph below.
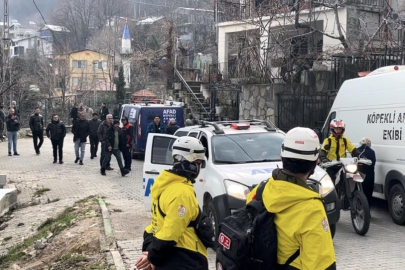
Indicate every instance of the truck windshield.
{"type": "Point", "coordinates": [247, 148]}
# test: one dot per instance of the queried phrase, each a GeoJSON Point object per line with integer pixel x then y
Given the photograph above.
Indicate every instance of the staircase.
{"type": "Point", "coordinates": [192, 91]}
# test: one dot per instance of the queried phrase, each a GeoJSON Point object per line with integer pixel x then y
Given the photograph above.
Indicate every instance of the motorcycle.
{"type": "Point", "coordinates": [349, 188]}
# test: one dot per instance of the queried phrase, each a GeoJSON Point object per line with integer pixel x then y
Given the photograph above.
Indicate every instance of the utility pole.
{"type": "Point", "coordinates": [6, 43]}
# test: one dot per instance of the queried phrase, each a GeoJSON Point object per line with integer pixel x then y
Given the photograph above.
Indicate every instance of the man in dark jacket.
{"type": "Point", "coordinates": [56, 132]}
{"type": "Point", "coordinates": [366, 152]}
{"type": "Point", "coordinates": [156, 126]}
{"type": "Point", "coordinates": [102, 137]}
{"type": "Point", "coordinates": [117, 111]}
{"type": "Point", "coordinates": [171, 129]}
{"type": "Point", "coordinates": [128, 135]}
{"type": "Point", "coordinates": [37, 126]}
{"type": "Point", "coordinates": [114, 145]}
{"type": "Point", "coordinates": [13, 126]}
{"type": "Point", "coordinates": [103, 112]}
{"type": "Point", "coordinates": [81, 130]}
{"type": "Point", "coordinates": [74, 113]}
{"type": "Point", "coordinates": [2, 121]}
{"type": "Point", "coordinates": [94, 124]}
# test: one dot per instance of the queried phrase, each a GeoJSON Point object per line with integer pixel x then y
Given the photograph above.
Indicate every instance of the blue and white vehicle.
{"type": "Point", "coordinates": [240, 155]}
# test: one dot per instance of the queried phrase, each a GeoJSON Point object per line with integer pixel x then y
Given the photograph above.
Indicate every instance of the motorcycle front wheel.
{"type": "Point", "coordinates": [360, 213]}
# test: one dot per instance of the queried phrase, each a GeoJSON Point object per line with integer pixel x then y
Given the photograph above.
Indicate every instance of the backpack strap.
{"type": "Point", "coordinates": [259, 191]}
{"type": "Point", "coordinates": [160, 209]}
{"type": "Point", "coordinates": [345, 142]}
{"type": "Point", "coordinates": [329, 142]}
{"type": "Point", "coordinates": [292, 258]}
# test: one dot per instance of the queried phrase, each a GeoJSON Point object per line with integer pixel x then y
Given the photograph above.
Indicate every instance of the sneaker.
{"type": "Point", "coordinates": [55, 161]}
{"type": "Point", "coordinates": [95, 156]}
{"type": "Point", "coordinates": [9, 154]}
{"type": "Point", "coordinates": [109, 169]}
{"type": "Point", "coordinates": [61, 162]}
{"type": "Point", "coordinates": [81, 162]}
{"type": "Point", "coordinates": [91, 157]}
{"type": "Point", "coordinates": [103, 172]}
{"type": "Point", "coordinates": [76, 160]}
{"type": "Point", "coordinates": [38, 152]}
{"type": "Point", "coordinates": [16, 154]}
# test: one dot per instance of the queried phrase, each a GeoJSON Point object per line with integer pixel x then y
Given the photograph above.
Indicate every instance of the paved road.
{"type": "Point", "coordinates": [382, 248]}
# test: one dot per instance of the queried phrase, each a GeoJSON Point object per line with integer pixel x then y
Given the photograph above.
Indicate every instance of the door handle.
{"type": "Point", "coordinates": [152, 172]}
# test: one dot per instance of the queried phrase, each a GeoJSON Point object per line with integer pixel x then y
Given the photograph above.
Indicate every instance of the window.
{"type": "Point", "coordinates": [180, 133]}
{"type": "Point", "coordinates": [193, 134]}
{"type": "Point", "coordinates": [246, 148]}
{"type": "Point", "coordinates": [162, 150]}
{"type": "Point", "coordinates": [204, 142]}
{"type": "Point", "coordinates": [77, 81]}
{"type": "Point", "coordinates": [100, 65]}
{"type": "Point", "coordinates": [80, 64]}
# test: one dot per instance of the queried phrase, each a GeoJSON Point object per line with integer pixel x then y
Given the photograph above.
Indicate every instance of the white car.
{"type": "Point", "coordinates": [239, 156]}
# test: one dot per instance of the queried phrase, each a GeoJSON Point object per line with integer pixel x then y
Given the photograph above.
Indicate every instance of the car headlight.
{"type": "Point", "coordinates": [326, 186]}
{"type": "Point", "coordinates": [351, 168]}
{"type": "Point", "coordinates": [236, 189]}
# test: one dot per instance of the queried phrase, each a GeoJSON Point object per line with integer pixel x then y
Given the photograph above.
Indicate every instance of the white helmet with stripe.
{"type": "Point", "coordinates": [188, 148]}
{"type": "Point", "coordinates": [301, 143]}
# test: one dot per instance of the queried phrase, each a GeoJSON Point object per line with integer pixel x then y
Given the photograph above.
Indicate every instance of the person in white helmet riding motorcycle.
{"type": "Point", "coordinates": [169, 241]}
{"type": "Point", "coordinates": [303, 232]}
{"type": "Point", "coordinates": [336, 146]}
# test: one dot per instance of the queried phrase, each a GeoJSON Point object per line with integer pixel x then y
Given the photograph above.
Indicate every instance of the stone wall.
{"type": "Point", "coordinates": [258, 102]}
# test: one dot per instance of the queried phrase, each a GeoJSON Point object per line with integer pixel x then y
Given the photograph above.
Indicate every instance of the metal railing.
{"type": "Point", "coordinates": [178, 74]}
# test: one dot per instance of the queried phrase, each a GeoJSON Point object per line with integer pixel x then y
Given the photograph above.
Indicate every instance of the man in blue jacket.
{"type": "Point", "coordinates": [156, 126]}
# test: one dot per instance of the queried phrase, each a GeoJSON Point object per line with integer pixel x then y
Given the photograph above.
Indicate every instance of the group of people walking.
{"type": "Point", "coordinates": [114, 140]}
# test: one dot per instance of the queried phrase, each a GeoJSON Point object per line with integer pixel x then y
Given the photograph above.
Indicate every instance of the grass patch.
{"type": "Point", "coordinates": [41, 191]}
{"type": "Point", "coordinates": [53, 225]}
{"type": "Point", "coordinates": [72, 259]}
{"type": "Point", "coordinates": [8, 238]}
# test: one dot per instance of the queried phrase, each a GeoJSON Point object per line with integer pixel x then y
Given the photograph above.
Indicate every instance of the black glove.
{"type": "Point", "coordinates": [325, 160]}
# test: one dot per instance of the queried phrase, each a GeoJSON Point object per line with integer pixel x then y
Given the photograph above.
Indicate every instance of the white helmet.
{"type": "Point", "coordinates": [188, 148]}
{"type": "Point", "coordinates": [365, 141]}
{"type": "Point", "coordinates": [301, 143]}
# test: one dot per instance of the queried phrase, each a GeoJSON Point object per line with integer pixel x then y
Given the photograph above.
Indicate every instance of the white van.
{"type": "Point", "coordinates": [374, 107]}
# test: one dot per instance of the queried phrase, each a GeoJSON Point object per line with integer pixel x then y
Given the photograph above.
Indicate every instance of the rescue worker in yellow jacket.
{"type": "Point", "coordinates": [336, 146]}
{"type": "Point", "coordinates": [300, 216]}
{"type": "Point", "coordinates": [169, 241]}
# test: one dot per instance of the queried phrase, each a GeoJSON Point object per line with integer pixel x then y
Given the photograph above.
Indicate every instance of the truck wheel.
{"type": "Point", "coordinates": [212, 215]}
{"type": "Point", "coordinates": [332, 230]}
{"type": "Point", "coordinates": [396, 199]}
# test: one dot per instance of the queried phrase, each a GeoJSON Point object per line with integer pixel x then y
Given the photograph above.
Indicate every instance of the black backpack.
{"type": "Point", "coordinates": [248, 238]}
{"type": "Point", "coordinates": [202, 225]}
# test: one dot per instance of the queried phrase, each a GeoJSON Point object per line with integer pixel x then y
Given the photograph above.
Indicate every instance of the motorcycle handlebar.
{"type": "Point", "coordinates": [334, 163]}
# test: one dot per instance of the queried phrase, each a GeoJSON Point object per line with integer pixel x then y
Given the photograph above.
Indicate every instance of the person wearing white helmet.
{"type": "Point", "coordinates": [337, 144]}
{"type": "Point", "coordinates": [367, 152]}
{"type": "Point", "coordinates": [302, 225]}
{"type": "Point", "coordinates": [170, 242]}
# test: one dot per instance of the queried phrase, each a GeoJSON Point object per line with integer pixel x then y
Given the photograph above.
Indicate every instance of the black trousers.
{"type": "Point", "coordinates": [102, 156]}
{"type": "Point", "coordinates": [1, 129]}
{"type": "Point", "coordinates": [38, 135]}
{"type": "Point", "coordinates": [127, 158]}
{"type": "Point", "coordinates": [57, 145]}
{"type": "Point", "coordinates": [93, 145]}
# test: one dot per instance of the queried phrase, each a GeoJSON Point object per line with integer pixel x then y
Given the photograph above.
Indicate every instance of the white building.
{"type": "Point", "coordinates": [358, 21]}
{"type": "Point", "coordinates": [29, 46]}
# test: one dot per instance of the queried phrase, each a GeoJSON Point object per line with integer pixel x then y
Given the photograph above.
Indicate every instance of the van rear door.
{"type": "Point", "coordinates": [158, 157]}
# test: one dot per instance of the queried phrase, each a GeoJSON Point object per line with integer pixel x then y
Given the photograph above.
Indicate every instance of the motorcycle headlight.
{"type": "Point", "coordinates": [236, 189]}
{"type": "Point", "coordinates": [326, 186]}
{"type": "Point", "coordinates": [351, 168]}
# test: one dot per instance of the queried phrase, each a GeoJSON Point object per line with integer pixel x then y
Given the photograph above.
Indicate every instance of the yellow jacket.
{"type": "Point", "coordinates": [301, 223]}
{"type": "Point", "coordinates": [336, 147]}
{"type": "Point", "coordinates": [178, 202]}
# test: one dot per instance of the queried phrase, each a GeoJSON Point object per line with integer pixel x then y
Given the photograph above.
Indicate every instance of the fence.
{"type": "Point", "coordinates": [303, 109]}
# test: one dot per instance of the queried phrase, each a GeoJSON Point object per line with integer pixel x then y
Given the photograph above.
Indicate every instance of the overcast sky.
{"type": "Point", "coordinates": [24, 10]}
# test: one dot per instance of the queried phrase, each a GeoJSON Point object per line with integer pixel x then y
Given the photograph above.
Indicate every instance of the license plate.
{"type": "Point", "coordinates": [224, 241]}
